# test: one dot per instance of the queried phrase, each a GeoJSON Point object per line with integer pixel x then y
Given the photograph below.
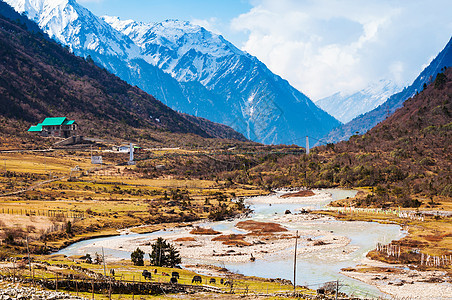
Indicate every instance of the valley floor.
{"type": "Point", "coordinates": [82, 202]}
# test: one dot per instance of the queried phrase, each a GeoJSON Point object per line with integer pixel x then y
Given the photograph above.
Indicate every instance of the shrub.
{"type": "Point", "coordinates": [11, 235]}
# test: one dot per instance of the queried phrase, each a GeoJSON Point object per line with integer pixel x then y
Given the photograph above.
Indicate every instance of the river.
{"type": "Point", "coordinates": [313, 268]}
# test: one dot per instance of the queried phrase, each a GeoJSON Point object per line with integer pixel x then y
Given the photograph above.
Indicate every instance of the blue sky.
{"type": "Point", "coordinates": [320, 46]}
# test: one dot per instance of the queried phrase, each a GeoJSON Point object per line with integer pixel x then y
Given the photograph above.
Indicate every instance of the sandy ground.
{"type": "Point", "coordinates": [263, 246]}
{"type": "Point", "coordinates": [319, 196]}
{"type": "Point", "coordinates": [402, 283]}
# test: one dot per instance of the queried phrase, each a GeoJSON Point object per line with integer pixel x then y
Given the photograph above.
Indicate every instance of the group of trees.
{"type": "Point", "coordinates": [163, 254]}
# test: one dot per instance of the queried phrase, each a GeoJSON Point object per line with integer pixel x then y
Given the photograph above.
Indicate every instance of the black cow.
{"type": "Point", "coordinates": [212, 280]}
{"type": "Point", "coordinates": [230, 283]}
{"type": "Point", "coordinates": [147, 275]}
{"type": "Point", "coordinates": [175, 274]}
{"type": "Point", "coordinates": [196, 279]}
{"type": "Point", "coordinates": [173, 280]}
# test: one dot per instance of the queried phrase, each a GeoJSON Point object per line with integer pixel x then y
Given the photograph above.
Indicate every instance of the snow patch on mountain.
{"type": "Point", "coordinates": [345, 107]}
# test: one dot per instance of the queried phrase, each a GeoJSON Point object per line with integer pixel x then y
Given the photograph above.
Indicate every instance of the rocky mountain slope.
{"type": "Point", "coordinates": [365, 122]}
{"type": "Point", "coordinates": [346, 107]}
{"type": "Point", "coordinates": [39, 78]}
{"type": "Point", "coordinates": [189, 69]}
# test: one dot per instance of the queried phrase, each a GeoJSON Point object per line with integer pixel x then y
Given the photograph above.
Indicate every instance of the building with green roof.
{"type": "Point", "coordinates": [56, 126]}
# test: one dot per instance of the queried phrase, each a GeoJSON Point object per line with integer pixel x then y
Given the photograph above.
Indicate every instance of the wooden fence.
{"type": "Point", "coordinates": [424, 259]}
{"type": "Point", "coordinates": [109, 286]}
{"type": "Point", "coordinates": [69, 214]}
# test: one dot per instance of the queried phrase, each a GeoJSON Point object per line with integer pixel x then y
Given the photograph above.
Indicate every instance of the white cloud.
{"type": "Point", "coordinates": [211, 24]}
{"type": "Point", "coordinates": [326, 46]}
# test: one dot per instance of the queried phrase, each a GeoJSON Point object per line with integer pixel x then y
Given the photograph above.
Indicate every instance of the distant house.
{"type": "Point", "coordinates": [57, 127]}
{"type": "Point", "coordinates": [122, 149]}
{"type": "Point", "coordinates": [126, 149]}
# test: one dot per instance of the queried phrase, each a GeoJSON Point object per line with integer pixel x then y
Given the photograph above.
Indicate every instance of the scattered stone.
{"type": "Point", "coordinates": [27, 293]}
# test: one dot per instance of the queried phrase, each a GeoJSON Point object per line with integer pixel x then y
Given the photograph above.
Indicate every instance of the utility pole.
{"type": "Point", "coordinates": [307, 145]}
{"type": "Point", "coordinates": [337, 288]}
{"type": "Point", "coordinates": [295, 264]}
{"type": "Point", "coordinates": [103, 259]}
{"type": "Point", "coordinates": [131, 162]}
{"type": "Point", "coordinates": [29, 261]}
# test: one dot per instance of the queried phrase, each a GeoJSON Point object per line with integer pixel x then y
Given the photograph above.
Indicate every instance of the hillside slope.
{"type": "Point", "coordinates": [365, 122]}
{"type": "Point", "coordinates": [39, 78]}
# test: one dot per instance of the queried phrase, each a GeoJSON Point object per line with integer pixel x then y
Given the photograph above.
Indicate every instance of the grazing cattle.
{"type": "Point", "coordinates": [175, 274]}
{"type": "Point", "coordinates": [173, 280]}
{"type": "Point", "coordinates": [228, 283]}
{"type": "Point", "coordinates": [196, 279]}
{"type": "Point", "coordinates": [147, 275]}
{"type": "Point", "coordinates": [212, 280]}
{"type": "Point", "coordinates": [165, 274]}
{"type": "Point", "coordinates": [155, 271]}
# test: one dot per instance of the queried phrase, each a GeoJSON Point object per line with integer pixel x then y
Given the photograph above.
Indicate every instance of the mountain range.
{"type": "Point", "coordinates": [363, 123]}
{"type": "Point", "coordinates": [39, 78]}
{"type": "Point", "coordinates": [188, 68]}
{"type": "Point", "coordinates": [345, 107]}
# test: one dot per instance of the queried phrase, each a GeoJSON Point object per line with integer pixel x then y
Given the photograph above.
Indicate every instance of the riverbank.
{"type": "Point", "coordinates": [405, 272]}
{"type": "Point", "coordinates": [402, 282]}
{"type": "Point", "coordinates": [286, 197]}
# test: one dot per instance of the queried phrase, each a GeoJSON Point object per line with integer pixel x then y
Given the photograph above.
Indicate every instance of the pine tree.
{"type": "Point", "coordinates": [137, 257]}
{"type": "Point", "coordinates": [173, 256]}
{"type": "Point", "coordinates": [164, 254]}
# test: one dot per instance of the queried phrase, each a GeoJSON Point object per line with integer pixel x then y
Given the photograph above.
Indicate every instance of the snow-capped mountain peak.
{"type": "Point", "coordinates": [72, 24]}
{"type": "Point", "coordinates": [185, 51]}
{"type": "Point", "coordinates": [173, 34]}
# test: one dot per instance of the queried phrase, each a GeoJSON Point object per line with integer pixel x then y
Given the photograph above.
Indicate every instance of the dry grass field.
{"type": "Point", "coordinates": [57, 198]}
{"type": "Point", "coordinates": [40, 192]}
